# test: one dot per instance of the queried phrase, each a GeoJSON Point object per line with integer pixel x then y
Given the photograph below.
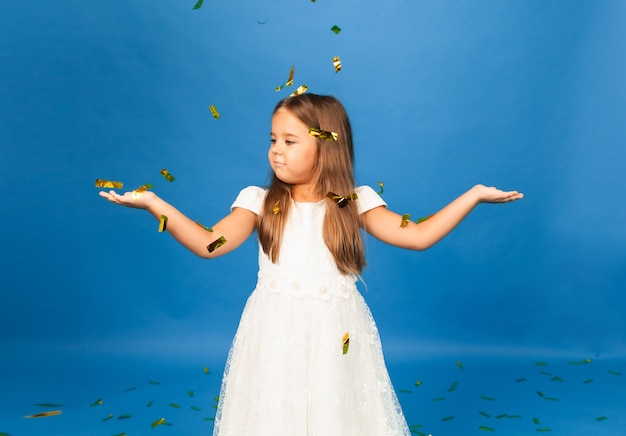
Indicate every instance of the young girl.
{"type": "Point", "coordinates": [306, 359]}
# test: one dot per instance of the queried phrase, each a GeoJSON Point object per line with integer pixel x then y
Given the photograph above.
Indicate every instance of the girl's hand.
{"type": "Point", "coordinates": [139, 200]}
{"type": "Point", "coordinates": [493, 195]}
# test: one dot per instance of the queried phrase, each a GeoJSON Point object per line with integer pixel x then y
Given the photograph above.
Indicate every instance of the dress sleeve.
{"type": "Point", "coordinates": [368, 199]}
{"type": "Point", "coordinates": [250, 198]}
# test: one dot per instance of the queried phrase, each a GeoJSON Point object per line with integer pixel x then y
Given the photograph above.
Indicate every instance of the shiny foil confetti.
{"type": "Point", "coordinates": [276, 209]}
{"type": "Point", "coordinates": [198, 4]}
{"type": "Point", "coordinates": [216, 244]}
{"type": "Point", "coordinates": [323, 134]}
{"type": "Point", "coordinates": [98, 402]}
{"type": "Point", "coordinates": [424, 218]}
{"type": "Point", "coordinates": [44, 414]}
{"type": "Point", "coordinates": [405, 220]}
{"type": "Point", "coordinates": [208, 229]}
{"type": "Point", "coordinates": [109, 184]}
{"type": "Point", "coordinates": [382, 188]}
{"type": "Point", "coordinates": [336, 29]}
{"type": "Point", "coordinates": [158, 422]}
{"type": "Point", "coordinates": [214, 112]}
{"type": "Point", "coordinates": [165, 173]}
{"type": "Point", "coordinates": [346, 343]}
{"type": "Point", "coordinates": [289, 81]}
{"type": "Point", "coordinates": [342, 201]}
{"type": "Point", "coordinates": [301, 90]}
{"type": "Point", "coordinates": [337, 64]}
{"type": "Point", "coordinates": [162, 223]}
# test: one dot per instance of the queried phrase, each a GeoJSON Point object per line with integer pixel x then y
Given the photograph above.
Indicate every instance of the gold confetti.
{"type": "Point", "coordinates": [158, 422]}
{"type": "Point", "coordinates": [342, 201]}
{"type": "Point", "coordinates": [44, 414]}
{"type": "Point", "coordinates": [165, 173]}
{"type": "Point", "coordinates": [337, 64]}
{"type": "Point", "coordinates": [98, 402]}
{"type": "Point", "coordinates": [459, 364]}
{"type": "Point", "coordinates": [301, 90]}
{"type": "Point", "coordinates": [323, 134]}
{"type": "Point", "coordinates": [109, 184]}
{"type": "Point", "coordinates": [206, 371]}
{"type": "Point", "coordinates": [405, 220]}
{"type": "Point", "coordinates": [208, 229]}
{"type": "Point", "coordinates": [336, 29]}
{"type": "Point", "coordinates": [162, 223]}
{"type": "Point", "coordinates": [289, 81]}
{"type": "Point", "coordinates": [382, 188]}
{"type": "Point", "coordinates": [346, 343]}
{"type": "Point", "coordinates": [214, 112]}
{"type": "Point", "coordinates": [143, 188]}
{"type": "Point", "coordinates": [216, 244]}
{"type": "Point", "coordinates": [276, 209]}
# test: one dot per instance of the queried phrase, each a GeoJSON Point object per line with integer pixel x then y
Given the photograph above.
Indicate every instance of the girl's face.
{"type": "Point", "coordinates": [293, 152]}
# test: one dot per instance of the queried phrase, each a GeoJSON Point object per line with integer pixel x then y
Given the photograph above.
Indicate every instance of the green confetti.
{"type": "Point", "coordinates": [551, 399]}
{"type": "Point", "coordinates": [540, 394]}
{"type": "Point", "coordinates": [206, 370]}
{"type": "Point", "coordinates": [541, 363]}
{"type": "Point", "coordinates": [152, 382]}
{"type": "Point", "coordinates": [544, 429]}
{"type": "Point", "coordinates": [192, 394]}
{"type": "Point", "coordinates": [382, 188]}
{"type": "Point", "coordinates": [107, 418]}
{"type": "Point", "coordinates": [424, 218]}
{"type": "Point", "coordinates": [484, 428]}
{"type": "Point", "coordinates": [209, 419]}
{"type": "Point", "coordinates": [536, 421]}
{"type": "Point", "coordinates": [448, 418]}
{"type": "Point", "coordinates": [589, 380]}
{"type": "Point", "coordinates": [459, 364]}
{"type": "Point", "coordinates": [556, 378]}
{"type": "Point", "coordinates": [150, 403]}
{"type": "Point", "coordinates": [484, 397]}
{"type": "Point", "coordinates": [545, 373]}
{"type": "Point", "coordinates": [196, 408]}
{"type": "Point", "coordinates": [601, 418]}
{"type": "Point", "coordinates": [216, 244]}
{"type": "Point", "coordinates": [418, 383]}
{"type": "Point", "coordinates": [124, 417]}
{"type": "Point", "coordinates": [615, 372]}
{"type": "Point", "coordinates": [486, 415]}
{"type": "Point", "coordinates": [336, 29]}
{"type": "Point", "coordinates": [174, 405]}
{"type": "Point", "coordinates": [158, 422]}
{"type": "Point", "coordinates": [519, 380]}
{"type": "Point", "coordinates": [198, 5]}
{"type": "Point", "coordinates": [405, 391]}
{"type": "Point", "coordinates": [130, 389]}
{"type": "Point", "coordinates": [47, 405]}
{"type": "Point", "coordinates": [96, 403]}
{"type": "Point", "coordinates": [439, 399]}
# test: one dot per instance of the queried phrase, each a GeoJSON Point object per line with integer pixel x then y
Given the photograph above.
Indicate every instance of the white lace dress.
{"type": "Point", "coordinates": [286, 373]}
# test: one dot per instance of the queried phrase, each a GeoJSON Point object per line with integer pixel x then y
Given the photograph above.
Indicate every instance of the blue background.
{"type": "Point", "coordinates": [524, 95]}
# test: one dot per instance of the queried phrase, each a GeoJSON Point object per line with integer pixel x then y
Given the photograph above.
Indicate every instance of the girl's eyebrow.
{"type": "Point", "coordinates": [290, 135]}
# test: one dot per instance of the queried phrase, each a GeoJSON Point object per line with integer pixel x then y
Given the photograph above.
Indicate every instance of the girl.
{"type": "Point", "coordinates": [307, 358]}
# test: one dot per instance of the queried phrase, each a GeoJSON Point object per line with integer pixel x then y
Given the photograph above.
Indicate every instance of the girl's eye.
{"type": "Point", "coordinates": [289, 142]}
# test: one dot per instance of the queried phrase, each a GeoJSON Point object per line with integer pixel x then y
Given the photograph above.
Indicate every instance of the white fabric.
{"type": "Point", "coordinates": [286, 373]}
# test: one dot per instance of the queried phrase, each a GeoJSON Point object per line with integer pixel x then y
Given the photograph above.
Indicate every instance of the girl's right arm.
{"type": "Point", "coordinates": [235, 228]}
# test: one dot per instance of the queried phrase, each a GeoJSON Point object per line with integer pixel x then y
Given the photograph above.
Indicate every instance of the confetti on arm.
{"type": "Point", "coordinates": [165, 173]}
{"type": "Point", "coordinates": [336, 29]}
{"type": "Point", "coordinates": [337, 64]}
{"type": "Point", "coordinates": [162, 223]}
{"type": "Point", "coordinates": [109, 184]}
{"type": "Point", "coordinates": [346, 343]}
{"type": "Point", "coordinates": [216, 244]}
{"type": "Point", "coordinates": [208, 229]}
{"type": "Point", "coordinates": [323, 134]}
{"type": "Point", "coordinates": [405, 221]}
{"type": "Point", "coordinates": [198, 5]}
{"type": "Point", "coordinates": [214, 112]}
{"type": "Point", "coordinates": [424, 218]}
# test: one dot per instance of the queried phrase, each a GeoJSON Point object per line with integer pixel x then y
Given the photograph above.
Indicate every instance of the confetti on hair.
{"type": "Point", "coordinates": [162, 223]}
{"type": "Point", "coordinates": [214, 112]}
{"type": "Point", "coordinates": [424, 218]}
{"type": "Point", "coordinates": [198, 5]}
{"type": "Point", "coordinates": [337, 64]}
{"type": "Point", "coordinates": [276, 209]}
{"type": "Point", "coordinates": [216, 244]}
{"type": "Point", "coordinates": [301, 90]}
{"type": "Point", "coordinates": [109, 184]}
{"type": "Point", "coordinates": [336, 29]}
{"type": "Point", "coordinates": [346, 343]}
{"type": "Point", "coordinates": [323, 134]}
{"type": "Point", "coordinates": [44, 414]}
{"type": "Point", "coordinates": [405, 222]}
{"type": "Point", "coordinates": [158, 422]}
{"type": "Point", "coordinates": [342, 201]}
{"type": "Point", "coordinates": [165, 173]}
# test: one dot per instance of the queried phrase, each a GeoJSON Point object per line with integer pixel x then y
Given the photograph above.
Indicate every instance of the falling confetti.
{"type": "Point", "coordinates": [107, 418]}
{"type": "Point", "coordinates": [158, 422]}
{"type": "Point", "coordinates": [143, 188]}
{"type": "Point", "coordinates": [262, 21]}
{"type": "Point", "coordinates": [323, 134]}
{"type": "Point", "coordinates": [214, 112]}
{"type": "Point", "coordinates": [482, 427]}
{"type": "Point", "coordinates": [198, 5]}
{"type": "Point", "coordinates": [98, 402]}
{"type": "Point", "coordinates": [109, 184]}
{"type": "Point", "coordinates": [346, 343]}
{"type": "Point", "coordinates": [382, 188]}
{"type": "Point", "coordinates": [124, 417]}
{"type": "Point", "coordinates": [162, 223]}
{"type": "Point", "coordinates": [336, 29]}
{"type": "Point", "coordinates": [337, 64]}
{"type": "Point", "coordinates": [289, 81]}
{"type": "Point", "coordinates": [165, 173]}
{"type": "Point", "coordinates": [45, 414]}
{"type": "Point", "coordinates": [216, 244]}
{"type": "Point", "coordinates": [301, 90]}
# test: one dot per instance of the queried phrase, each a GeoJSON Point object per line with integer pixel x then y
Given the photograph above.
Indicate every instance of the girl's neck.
{"type": "Point", "coordinates": [305, 194]}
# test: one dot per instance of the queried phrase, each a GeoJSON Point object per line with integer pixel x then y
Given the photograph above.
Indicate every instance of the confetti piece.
{"type": "Point", "coordinates": [206, 370]}
{"type": "Point", "coordinates": [208, 229]}
{"type": "Point", "coordinates": [556, 378]}
{"type": "Point", "coordinates": [418, 383]}
{"type": "Point", "coordinates": [143, 188]}
{"type": "Point", "coordinates": [214, 112]}
{"type": "Point", "coordinates": [196, 408]}
{"type": "Point", "coordinates": [124, 417]}
{"type": "Point", "coordinates": [448, 418]}
{"type": "Point", "coordinates": [551, 399]}
{"type": "Point", "coordinates": [216, 244]}
{"type": "Point", "coordinates": [614, 372]}
{"type": "Point", "coordinates": [424, 218]}
{"type": "Point", "coordinates": [536, 421]}
{"type": "Point", "coordinates": [45, 414]}
{"type": "Point", "coordinates": [485, 397]}
{"type": "Point", "coordinates": [459, 364]}
{"type": "Point", "coordinates": [382, 188]}
{"type": "Point", "coordinates": [130, 389]}
{"type": "Point", "coordinates": [198, 5]}
{"type": "Point", "coordinates": [165, 173]}
{"type": "Point", "coordinates": [541, 364]}
{"type": "Point", "coordinates": [162, 223]}
{"type": "Point", "coordinates": [545, 373]}
{"type": "Point", "coordinates": [486, 415]}
{"type": "Point", "coordinates": [262, 22]}
{"type": "Point", "coordinates": [405, 221]}
{"type": "Point", "coordinates": [192, 394]}
{"type": "Point", "coordinates": [601, 418]}
{"type": "Point", "coordinates": [336, 29]}
{"type": "Point", "coordinates": [289, 81]}
{"type": "Point", "coordinates": [323, 134]}
{"type": "Point", "coordinates": [337, 64]}
{"type": "Point", "coordinates": [48, 405]}
{"type": "Point", "coordinates": [346, 343]}
{"type": "Point", "coordinates": [276, 209]}
{"type": "Point", "coordinates": [209, 419]}
{"type": "Point", "coordinates": [152, 382]}
{"type": "Point", "coordinates": [590, 380]}
{"type": "Point", "coordinates": [150, 403]}
{"type": "Point", "coordinates": [174, 405]}
{"type": "Point", "coordinates": [519, 380]}
{"type": "Point", "coordinates": [439, 399]}
{"type": "Point", "coordinates": [541, 394]}
{"type": "Point", "coordinates": [482, 427]}
{"type": "Point", "coordinates": [120, 434]}
{"type": "Point", "coordinates": [96, 403]}
{"type": "Point", "coordinates": [107, 418]}
{"type": "Point", "coordinates": [109, 184]}
{"type": "Point", "coordinates": [301, 90]}
{"type": "Point", "coordinates": [342, 201]}
{"type": "Point", "coordinates": [158, 422]}
{"type": "Point", "coordinates": [217, 398]}
{"type": "Point", "coordinates": [544, 429]}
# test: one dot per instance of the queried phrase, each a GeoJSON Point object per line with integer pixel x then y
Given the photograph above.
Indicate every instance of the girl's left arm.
{"type": "Point", "coordinates": [384, 224]}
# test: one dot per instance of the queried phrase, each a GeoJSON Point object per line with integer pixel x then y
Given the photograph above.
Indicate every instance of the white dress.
{"type": "Point", "coordinates": [286, 373]}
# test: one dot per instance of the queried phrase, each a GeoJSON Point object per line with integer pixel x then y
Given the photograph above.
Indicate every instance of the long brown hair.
{"type": "Point", "coordinates": [334, 172]}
